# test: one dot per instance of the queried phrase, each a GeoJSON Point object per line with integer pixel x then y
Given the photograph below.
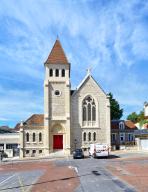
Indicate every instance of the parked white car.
{"type": "Point", "coordinates": [99, 150]}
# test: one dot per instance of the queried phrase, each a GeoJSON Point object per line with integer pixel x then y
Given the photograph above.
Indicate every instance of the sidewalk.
{"type": "Point", "coordinates": [49, 157]}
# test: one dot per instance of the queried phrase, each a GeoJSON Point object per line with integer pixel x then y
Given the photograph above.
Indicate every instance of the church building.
{"type": "Point", "coordinates": [72, 118]}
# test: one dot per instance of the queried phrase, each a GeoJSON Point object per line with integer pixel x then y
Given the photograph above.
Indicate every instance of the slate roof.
{"type": "Point", "coordinates": [6, 129]}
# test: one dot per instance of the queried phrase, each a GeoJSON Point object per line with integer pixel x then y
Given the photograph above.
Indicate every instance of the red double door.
{"type": "Point", "coordinates": [58, 142]}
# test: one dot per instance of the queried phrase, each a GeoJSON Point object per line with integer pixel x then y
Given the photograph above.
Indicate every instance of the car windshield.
{"type": "Point", "coordinates": [78, 150]}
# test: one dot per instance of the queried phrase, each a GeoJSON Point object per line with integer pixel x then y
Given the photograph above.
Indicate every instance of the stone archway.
{"type": "Point", "coordinates": [57, 136]}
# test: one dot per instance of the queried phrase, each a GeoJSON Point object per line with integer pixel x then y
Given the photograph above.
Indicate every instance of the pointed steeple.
{"type": "Point", "coordinates": [57, 55]}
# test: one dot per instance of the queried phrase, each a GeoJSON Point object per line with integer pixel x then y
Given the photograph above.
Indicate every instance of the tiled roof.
{"type": "Point", "coordinates": [17, 127]}
{"type": "Point", "coordinates": [115, 124]}
{"type": "Point", "coordinates": [37, 119]}
{"type": "Point", "coordinates": [128, 124]}
{"type": "Point", "coordinates": [57, 55]}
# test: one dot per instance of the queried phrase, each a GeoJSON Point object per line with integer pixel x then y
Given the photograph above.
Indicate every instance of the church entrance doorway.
{"type": "Point", "coordinates": [57, 141]}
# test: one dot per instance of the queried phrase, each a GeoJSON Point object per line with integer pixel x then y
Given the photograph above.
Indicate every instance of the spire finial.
{"type": "Point", "coordinates": [88, 71]}
{"type": "Point", "coordinates": [21, 124]}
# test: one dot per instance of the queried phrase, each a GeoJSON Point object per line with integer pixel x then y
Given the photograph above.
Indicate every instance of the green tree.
{"type": "Point", "coordinates": [141, 116]}
{"type": "Point", "coordinates": [133, 117]}
{"type": "Point", "coordinates": [116, 112]}
{"type": "Point", "coordinates": [143, 122]}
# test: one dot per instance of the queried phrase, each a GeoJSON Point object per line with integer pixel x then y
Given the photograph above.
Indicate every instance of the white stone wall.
{"type": "Point", "coordinates": [57, 108]}
{"type": "Point", "coordinates": [63, 115]}
{"type": "Point", "coordinates": [102, 127]}
{"type": "Point", "coordinates": [33, 145]}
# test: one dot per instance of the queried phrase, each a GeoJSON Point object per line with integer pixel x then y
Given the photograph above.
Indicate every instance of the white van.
{"type": "Point", "coordinates": [99, 150]}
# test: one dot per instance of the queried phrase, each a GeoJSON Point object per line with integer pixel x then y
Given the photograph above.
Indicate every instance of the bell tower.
{"type": "Point", "coordinates": [57, 101]}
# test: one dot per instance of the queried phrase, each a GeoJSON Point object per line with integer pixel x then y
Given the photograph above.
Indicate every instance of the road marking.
{"type": "Point", "coordinates": [7, 179]}
{"type": "Point", "coordinates": [21, 184]}
{"type": "Point", "coordinates": [75, 168]}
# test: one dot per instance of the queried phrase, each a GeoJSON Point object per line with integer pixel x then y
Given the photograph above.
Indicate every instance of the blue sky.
{"type": "Point", "coordinates": [111, 37]}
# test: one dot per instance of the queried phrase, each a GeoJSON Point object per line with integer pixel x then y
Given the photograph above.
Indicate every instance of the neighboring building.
{"type": "Point", "coordinates": [122, 134]}
{"type": "Point", "coordinates": [142, 134]}
{"type": "Point", "coordinates": [5, 129]}
{"type": "Point", "coordinates": [144, 125]}
{"type": "Point", "coordinates": [141, 137]}
{"type": "Point", "coordinates": [32, 136]}
{"type": "Point", "coordinates": [72, 119]}
{"type": "Point", "coordinates": [9, 141]}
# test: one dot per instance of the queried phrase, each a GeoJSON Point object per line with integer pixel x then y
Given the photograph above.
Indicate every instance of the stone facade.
{"type": "Point", "coordinates": [100, 126]}
{"type": "Point", "coordinates": [71, 118]}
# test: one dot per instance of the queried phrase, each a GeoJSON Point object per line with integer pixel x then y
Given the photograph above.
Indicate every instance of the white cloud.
{"type": "Point", "coordinates": [109, 37]}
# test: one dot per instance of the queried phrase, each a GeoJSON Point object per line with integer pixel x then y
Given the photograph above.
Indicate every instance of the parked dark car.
{"type": "Point", "coordinates": [78, 154]}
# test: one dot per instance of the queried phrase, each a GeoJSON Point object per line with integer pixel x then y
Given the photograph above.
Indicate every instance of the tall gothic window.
{"type": "Point", "coordinates": [84, 113]}
{"type": "Point", "coordinates": [88, 109]}
{"type": "Point", "coordinates": [27, 137]}
{"type": "Point", "coordinates": [33, 137]}
{"type": "Point", "coordinates": [94, 113]}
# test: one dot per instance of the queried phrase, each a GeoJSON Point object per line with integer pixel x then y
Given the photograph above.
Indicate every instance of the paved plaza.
{"type": "Point", "coordinates": [126, 172]}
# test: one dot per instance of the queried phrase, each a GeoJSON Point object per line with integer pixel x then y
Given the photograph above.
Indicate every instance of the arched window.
{"type": "Point", "coordinates": [89, 111]}
{"type": "Point", "coordinates": [84, 113]}
{"type": "Point", "coordinates": [94, 136]}
{"type": "Point", "coordinates": [57, 73]}
{"type": "Point", "coordinates": [121, 126]}
{"type": "Point", "coordinates": [33, 137]}
{"type": "Point", "coordinates": [94, 113]}
{"type": "Point", "coordinates": [63, 72]}
{"type": "Point", "coordinates": [40, 137]}
{"type": "Point", "coordinates": [84, 136]}
{"type": "Point", "coordinates": [27, 137]}
{"type": "Point", "coordinates": [89, 136]}
{"type": "Point", "coordinates": [51, 72]}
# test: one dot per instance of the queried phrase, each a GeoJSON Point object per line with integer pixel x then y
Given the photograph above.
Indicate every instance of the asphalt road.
{"type": "Point", "coordinates": [18, 181]}
{"type": "Point", "coordinates": [94, 176]}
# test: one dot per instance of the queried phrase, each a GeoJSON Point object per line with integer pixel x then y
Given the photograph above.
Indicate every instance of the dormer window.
{"type": "Point", "coordinates": [57, 73]}
{"type": "Point", "coordinates": [121, 126]}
